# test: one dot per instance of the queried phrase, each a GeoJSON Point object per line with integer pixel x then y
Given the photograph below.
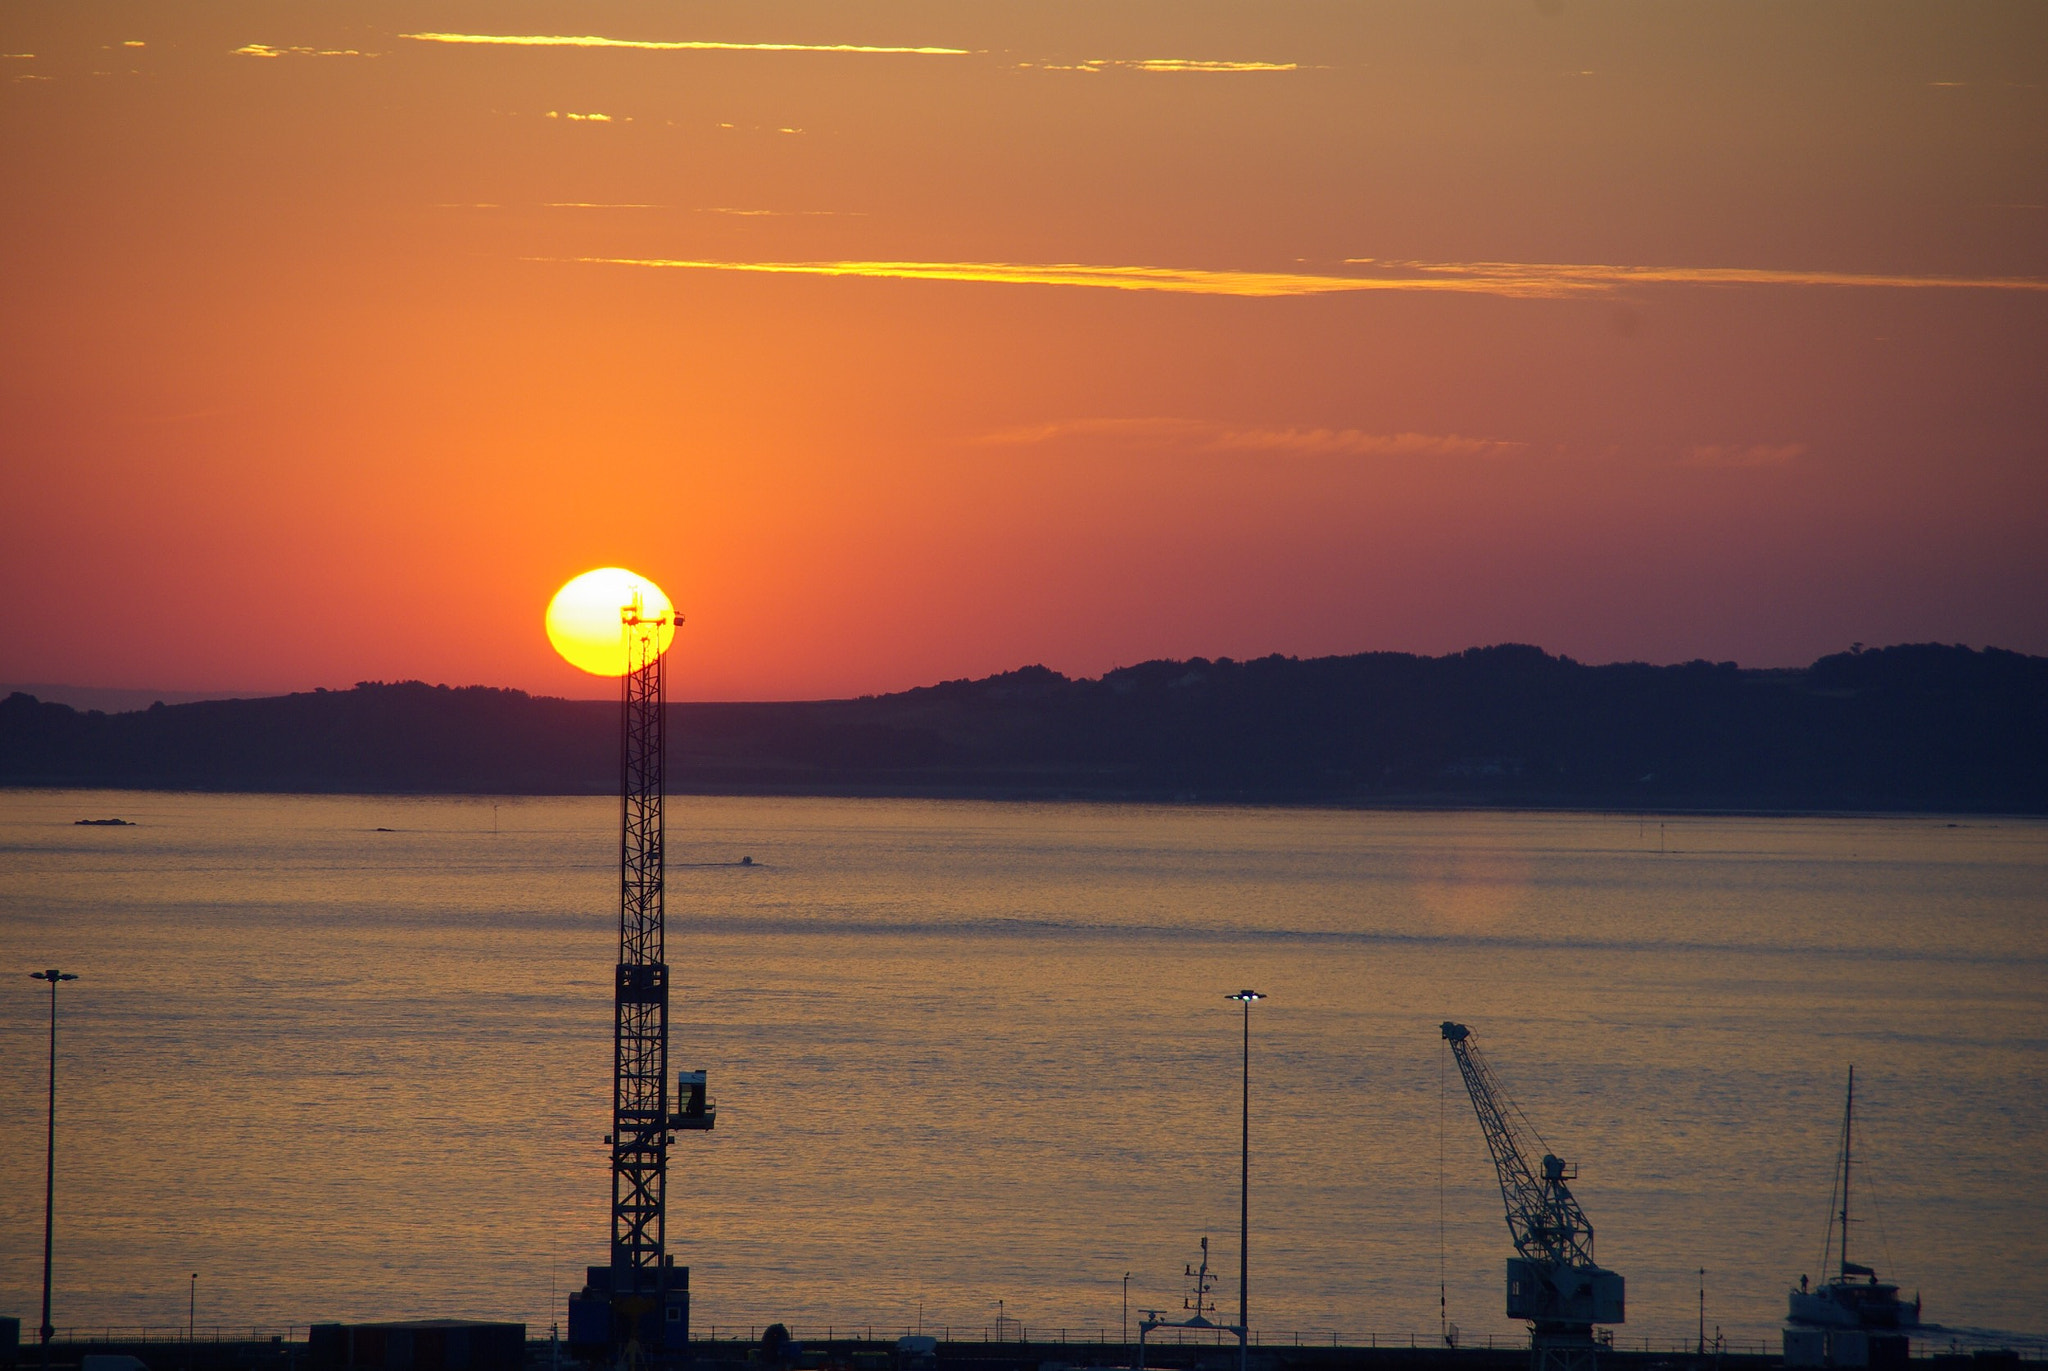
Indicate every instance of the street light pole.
{"type": "Point", "coordinates": [192, 1310]}
{"type": "Point", "coordinates": [1244, 1188]}
{"type": "Point", "coordinates": [1127, 1313]}
{"type": "Point", "coordinates": [53, 976]}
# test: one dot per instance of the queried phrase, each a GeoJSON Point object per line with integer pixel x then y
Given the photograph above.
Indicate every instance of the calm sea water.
{"type": "Point", "coordinates": [968, 1053]}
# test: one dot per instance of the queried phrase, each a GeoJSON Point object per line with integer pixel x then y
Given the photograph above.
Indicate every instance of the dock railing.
{"type": "Point", "coordinates": [169, 1333]}
{"type": "Point", "coordinates": [1095, 1335]}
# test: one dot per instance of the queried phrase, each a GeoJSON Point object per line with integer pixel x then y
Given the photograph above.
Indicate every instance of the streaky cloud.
{"type": "Point", "coordinates": [1512, 280]}
{"type": "Point", "coordinates": [1599, 276]}
{"type": "Point", "coordinates": [1201, 435]}
{"type": "Point", "coordinates": [266, 50]}
{"type": "Point", "coordinates": [1175, 280]}
{"type": "Point", "coordinates": [1351, 442]}
{"type": "Point", "coordinates": [1189, 64]}
{"type": "Point", "coordinates": [536, 40]}
{"type": "Point", "coordinates": [1162, 64]}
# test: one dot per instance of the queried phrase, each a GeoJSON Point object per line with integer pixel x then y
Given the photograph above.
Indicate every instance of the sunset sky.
{"type": "Point", "coordinates": [909, 341]}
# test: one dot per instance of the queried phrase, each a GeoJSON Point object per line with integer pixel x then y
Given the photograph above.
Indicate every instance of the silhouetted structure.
{"type": "Point", "coordinates": [48, 1332]}
{"type": "Point", "coordinates": [1554, 1283]}
{"type": "Point", "coordinates": [1850, 1318]}
{"type": "Point", "coordinates": [640, 1301]}
{"type": "Point", "coordinates": [417, 1345]}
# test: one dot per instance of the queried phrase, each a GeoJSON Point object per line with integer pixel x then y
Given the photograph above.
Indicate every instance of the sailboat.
{"type": "Point", "coordinates": [1854, 1297]}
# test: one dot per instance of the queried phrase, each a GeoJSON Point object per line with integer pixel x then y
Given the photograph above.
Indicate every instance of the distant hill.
{"type": "Point", "coordinates": [110, 699]}
{"type": "Point", "coordinates": [1922, 727]}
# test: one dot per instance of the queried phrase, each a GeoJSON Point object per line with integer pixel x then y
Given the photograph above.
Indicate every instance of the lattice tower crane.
{"type": "Point", "coordinates": [1554, 1283]}
{"type": "Point", "coordinates": [637, 1305]}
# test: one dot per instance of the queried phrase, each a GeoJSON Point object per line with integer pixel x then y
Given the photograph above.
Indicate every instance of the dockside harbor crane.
{"type": "Point", "coordinates": [1554, 1282]}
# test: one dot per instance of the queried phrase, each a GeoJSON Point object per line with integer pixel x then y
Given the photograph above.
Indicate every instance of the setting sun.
{"type": "Point", "coordinates": [584, 620]}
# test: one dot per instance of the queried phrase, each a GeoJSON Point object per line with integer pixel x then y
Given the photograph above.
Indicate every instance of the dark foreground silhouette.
{"type": "Point", "coordinates": [1922, 727]}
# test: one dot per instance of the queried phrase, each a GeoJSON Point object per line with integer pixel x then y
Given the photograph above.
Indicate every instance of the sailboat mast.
{"type": "Point", "coordinates": [1848, 1122]}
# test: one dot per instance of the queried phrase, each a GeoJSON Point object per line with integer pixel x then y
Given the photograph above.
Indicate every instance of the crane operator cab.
{"type": "Point", "coordinates": [1563, 1294]}
{"type": "Point", "coordinates": [694, 1109]}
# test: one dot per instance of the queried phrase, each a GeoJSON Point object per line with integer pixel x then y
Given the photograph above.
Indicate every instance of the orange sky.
{"type": "Point", "coordinates": [331, 347]}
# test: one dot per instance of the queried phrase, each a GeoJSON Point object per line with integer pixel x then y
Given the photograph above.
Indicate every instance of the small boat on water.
{"type": "Point", "coordinates": [1853, 1298]}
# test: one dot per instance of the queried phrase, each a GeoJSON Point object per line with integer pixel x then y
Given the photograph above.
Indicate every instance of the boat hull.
{"type": "Point", "coordinates": [1845, 1304]}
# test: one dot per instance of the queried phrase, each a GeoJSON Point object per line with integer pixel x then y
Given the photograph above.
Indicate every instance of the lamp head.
{"type": "Point", "coordinates": [53, 975]}
{"type": "Point", "coordinates": [1245, 995]}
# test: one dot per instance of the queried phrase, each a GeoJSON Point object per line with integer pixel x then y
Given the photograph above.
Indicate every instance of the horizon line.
{"type": "Point", "coordinates": [201, 696]}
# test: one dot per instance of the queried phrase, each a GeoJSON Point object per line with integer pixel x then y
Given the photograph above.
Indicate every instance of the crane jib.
{"type": "Point", "coordinates": [1554, 1281]}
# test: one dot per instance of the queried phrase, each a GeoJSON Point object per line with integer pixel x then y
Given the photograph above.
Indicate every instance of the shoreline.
{"type": "Point", "coordinates": [1023, 797]}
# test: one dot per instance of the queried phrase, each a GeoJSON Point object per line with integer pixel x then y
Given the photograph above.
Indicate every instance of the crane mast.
{"type": "Point", "coordinates": [638, 1303]}
{"type": "Point", "coordinates": [639, 1136]}
{"type": "Point", "coordinates": [1554, 1282]}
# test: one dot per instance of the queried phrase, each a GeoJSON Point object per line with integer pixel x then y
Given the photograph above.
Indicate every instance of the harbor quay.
{"type": "Point", "coordinates": [118, 1350]}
